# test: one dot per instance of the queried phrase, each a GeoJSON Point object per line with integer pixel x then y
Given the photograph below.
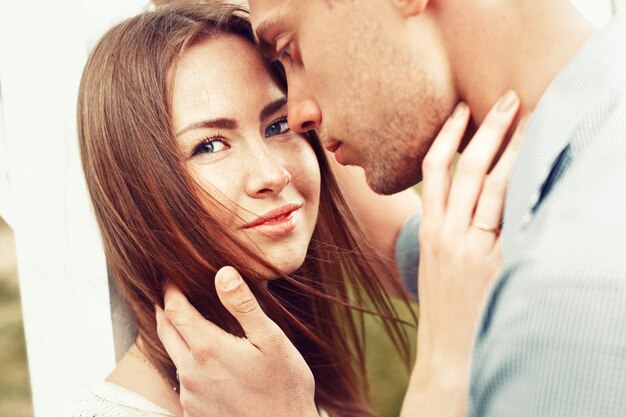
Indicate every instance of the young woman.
{"type": "Point", "coordinates": [191, 166]}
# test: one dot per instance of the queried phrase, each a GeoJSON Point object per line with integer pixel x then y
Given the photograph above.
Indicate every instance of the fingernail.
{"type": "Point", "coordinates": [459, 111]}
{"type": "Point", "coordinates": [507, 102]}
{"type": "Point", "coordinates": [229, 279]}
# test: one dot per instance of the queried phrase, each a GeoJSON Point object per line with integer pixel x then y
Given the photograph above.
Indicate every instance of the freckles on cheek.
{"type": "Point", "coordinates": [305, 170]}
{"type": "Point", "coordinates": [219, 189]}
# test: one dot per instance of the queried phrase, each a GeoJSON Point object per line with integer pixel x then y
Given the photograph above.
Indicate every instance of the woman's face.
{"type": "Point", "coordinates": [231, 126]}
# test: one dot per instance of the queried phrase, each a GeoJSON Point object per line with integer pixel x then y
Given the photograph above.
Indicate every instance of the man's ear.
{"type": "Point", "coordinates": [410, 8]}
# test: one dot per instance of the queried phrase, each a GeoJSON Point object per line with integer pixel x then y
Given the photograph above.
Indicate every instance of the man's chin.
{"type": "Point", "coordinates": [391, 182]}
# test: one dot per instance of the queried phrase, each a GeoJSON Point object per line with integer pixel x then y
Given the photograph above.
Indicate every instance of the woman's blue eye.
{"type": "Point", "coordinates": [277, 128]}
{"type": "Point", "coordinates": [209, 146]}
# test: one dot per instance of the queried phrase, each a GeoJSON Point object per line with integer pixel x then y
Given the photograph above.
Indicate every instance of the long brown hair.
{"type": "Point", "coordinates": [155, 227]}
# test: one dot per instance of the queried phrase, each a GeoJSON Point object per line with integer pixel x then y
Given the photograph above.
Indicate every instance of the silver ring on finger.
{"type": "Point", "coordinates": [487, 228]}
{"type": "Point", "coordinates": [175, 387]}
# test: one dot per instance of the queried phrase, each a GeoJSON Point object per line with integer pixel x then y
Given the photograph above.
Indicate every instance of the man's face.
{"type": "Point", "coordinates": [370, 78]}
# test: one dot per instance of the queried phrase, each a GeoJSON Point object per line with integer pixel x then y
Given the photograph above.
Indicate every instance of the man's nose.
{"type": "Point", "coordinates": [304, 113]}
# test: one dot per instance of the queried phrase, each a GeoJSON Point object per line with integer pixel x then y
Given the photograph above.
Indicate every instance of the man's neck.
{"type": "Point", "coordinates": [516, 46]}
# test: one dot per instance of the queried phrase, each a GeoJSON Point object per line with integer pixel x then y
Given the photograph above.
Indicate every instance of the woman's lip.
{"type": "Point", "coordinates": [271, 216]}
{"type": "Point", "coordinates": [278, 227]}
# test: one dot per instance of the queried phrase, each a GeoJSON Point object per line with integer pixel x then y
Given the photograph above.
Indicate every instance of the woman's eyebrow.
{"type": "Point", "coordinates": [231, 124]}
{"type": "Point", "coordinates": [271, 108]}
{"type": "Point", "coordinates": [221, 123]}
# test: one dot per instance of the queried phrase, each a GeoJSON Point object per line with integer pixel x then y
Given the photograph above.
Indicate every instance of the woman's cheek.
{"type": "Point", "coordinates": [219, 184]}
{"type": "Point", "coordinates": [305, 170]}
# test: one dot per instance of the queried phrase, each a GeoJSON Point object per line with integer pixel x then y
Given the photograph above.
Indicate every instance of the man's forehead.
{"type": "Point", "coordinates": [263, 10]}
{"type": "Point", "coordinates": [265, 6]}
{"type": "Point", "coordinates": [266, 17]}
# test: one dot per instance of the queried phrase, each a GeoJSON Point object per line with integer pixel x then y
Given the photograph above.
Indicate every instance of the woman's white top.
{"type": "Point", "coordinates": [105, 399]}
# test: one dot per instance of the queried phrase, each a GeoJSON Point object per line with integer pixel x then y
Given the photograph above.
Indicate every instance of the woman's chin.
{"type": "Point", "coordinates": [284, 266]}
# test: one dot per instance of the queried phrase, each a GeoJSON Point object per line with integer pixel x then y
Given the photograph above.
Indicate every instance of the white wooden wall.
{"type": "Point", "coordinates": [64, 287]}
{"type": "Point", "coordinates": [5, 190]}
{"type": "Point", "coordinates": [74, 326]}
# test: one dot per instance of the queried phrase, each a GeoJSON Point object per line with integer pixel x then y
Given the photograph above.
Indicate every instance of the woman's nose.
{"type": "Point", "coordinates": [267, 176]}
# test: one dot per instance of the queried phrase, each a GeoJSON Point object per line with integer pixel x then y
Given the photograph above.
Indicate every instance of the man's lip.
{"type": "Point", "coordinates": [333, 146]}
{"type": "Point", "coordinates": [273, 215]}
{"type": "Point", "coordinates": [340, 156]}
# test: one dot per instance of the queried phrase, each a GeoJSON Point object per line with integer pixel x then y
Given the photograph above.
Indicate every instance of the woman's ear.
{"type": "Point", "coordinates": [409, 8]}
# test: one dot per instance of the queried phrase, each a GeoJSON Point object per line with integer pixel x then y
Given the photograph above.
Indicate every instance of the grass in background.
{"type": "Point", "coordinates": [14, 383]}
{"type": "Point", "coordinates": [387, 374]}
{"type": "Point", "coordinates": [15, 399]}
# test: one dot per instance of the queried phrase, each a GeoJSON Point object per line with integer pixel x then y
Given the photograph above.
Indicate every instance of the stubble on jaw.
{"type": "Point", "coordinates": [399, 166]}
{"type": "Point", "coordinates": [392, 111]}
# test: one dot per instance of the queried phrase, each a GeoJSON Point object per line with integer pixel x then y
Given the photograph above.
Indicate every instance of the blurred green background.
{"type": "Point", "coordinates": [14, 384]}
{"type": "Point", "coordinates": [388, 376]}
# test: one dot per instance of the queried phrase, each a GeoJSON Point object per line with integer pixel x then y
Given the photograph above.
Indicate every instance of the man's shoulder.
{"type": "Point", "coordinates": [574, 242]}
{"type": "Point", "coordinates": [601, 132]}
{"type": "Point", "coordinates": [581, 224]}
{"type": "Point", "coordinates": [554, 329]}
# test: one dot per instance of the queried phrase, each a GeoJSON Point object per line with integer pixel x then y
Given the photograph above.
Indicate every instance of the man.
{"type": "Point", "coordinates": [378, 78]}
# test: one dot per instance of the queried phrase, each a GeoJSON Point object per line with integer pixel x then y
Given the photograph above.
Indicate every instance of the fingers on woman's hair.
{"type": "Point", "coordinates": [478, 157]}
{"type": "Point", "coordinates": [437, 162]}
{"type": "Point", "coordinates": [202, 336]}
{"type": "Point", "coordinates": [242, 304]}
{"type": "Point", "coordinates": [491, 203]}
{"type": "Point", "coordinates": [174, 344]}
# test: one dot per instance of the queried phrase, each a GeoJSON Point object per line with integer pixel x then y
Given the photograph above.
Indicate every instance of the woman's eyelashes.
{"type": "Point", "coordinates": [210, 145]}
{"type": "Point", "coordinates": [277, 127]}
{"type": "Point", "coordinates": [218, 143]}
